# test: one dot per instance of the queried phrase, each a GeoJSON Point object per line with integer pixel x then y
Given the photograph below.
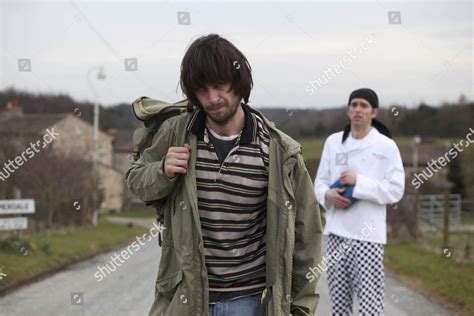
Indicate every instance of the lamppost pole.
{"type": "Point", "coordinates": [415, 142]}
{"type": "Point", "coordinates": [95, 141]}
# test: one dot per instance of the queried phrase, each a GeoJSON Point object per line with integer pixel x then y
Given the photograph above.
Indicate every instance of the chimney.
{"type": "Point", "coordinates": [12, 110]}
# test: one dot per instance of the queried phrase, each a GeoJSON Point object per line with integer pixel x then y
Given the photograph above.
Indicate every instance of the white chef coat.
{"type": "Point", "coordinates": [380, 181]}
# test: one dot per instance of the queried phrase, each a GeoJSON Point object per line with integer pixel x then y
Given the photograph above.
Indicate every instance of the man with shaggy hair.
{"type": "Point", "coordinates": [242, 221]}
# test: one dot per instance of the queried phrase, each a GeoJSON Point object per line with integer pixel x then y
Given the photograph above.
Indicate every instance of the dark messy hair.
{"type": "Point", "coordinates": [211, 59]}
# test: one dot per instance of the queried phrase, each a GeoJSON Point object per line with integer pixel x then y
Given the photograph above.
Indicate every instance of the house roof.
{"type": "Point", "coordinates": [29, 123]}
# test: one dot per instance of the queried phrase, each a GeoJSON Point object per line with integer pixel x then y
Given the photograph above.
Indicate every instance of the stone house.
{"type": "Point", "coordinates": [75, 140]}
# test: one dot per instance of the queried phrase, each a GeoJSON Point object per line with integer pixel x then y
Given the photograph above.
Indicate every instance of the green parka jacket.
{"type": "Point", "coordinates": [293, 236]}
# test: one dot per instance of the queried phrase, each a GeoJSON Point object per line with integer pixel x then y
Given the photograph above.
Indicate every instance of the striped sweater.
{"type": "Point", "coordinates": [232, 205]}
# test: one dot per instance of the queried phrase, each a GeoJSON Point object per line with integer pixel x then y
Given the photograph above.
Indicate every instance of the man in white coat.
{"type": "Point", "coordinates": [363, 166]}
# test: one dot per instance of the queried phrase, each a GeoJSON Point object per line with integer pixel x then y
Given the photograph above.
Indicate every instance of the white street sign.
{"type": "Point", "coordinates": [13, 223]}
{"type": "Point", "coordinates": [25, 206]}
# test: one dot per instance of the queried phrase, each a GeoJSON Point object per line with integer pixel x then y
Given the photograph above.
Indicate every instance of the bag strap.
{"type": "Point", "coordinates": [181, 134]}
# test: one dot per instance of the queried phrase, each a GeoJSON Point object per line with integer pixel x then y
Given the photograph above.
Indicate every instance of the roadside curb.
{"type": "Point", "coordinates": [429, 295]}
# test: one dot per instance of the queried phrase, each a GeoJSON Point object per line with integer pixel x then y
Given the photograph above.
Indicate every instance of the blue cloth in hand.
{"type": "Point", "coordinates": [347, 192]}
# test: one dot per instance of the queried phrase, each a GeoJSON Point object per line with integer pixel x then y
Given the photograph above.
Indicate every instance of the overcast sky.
{"type": "Point", "coordinates": [310, 54]}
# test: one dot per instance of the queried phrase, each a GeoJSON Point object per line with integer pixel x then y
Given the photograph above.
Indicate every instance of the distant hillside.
{"type": "Point", "coordinates": [447, 120]}
{"type": "Point", "coordinates": [118, 116]}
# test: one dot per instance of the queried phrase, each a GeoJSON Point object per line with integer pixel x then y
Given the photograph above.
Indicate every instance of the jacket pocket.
{"type": "Point", "coordinates": [169, 270]}
{"type": "Point", "coordinates": [170, 299]}
{"type": "Point", "coordinates": [167, 286]}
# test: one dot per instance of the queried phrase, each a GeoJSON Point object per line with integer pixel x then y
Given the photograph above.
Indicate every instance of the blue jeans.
{"type": "Point", "coordinates": [244, 306]}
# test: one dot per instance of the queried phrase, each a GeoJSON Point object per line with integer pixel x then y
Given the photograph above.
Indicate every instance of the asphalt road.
{"type": "Point", "coordinates": [129, 290]}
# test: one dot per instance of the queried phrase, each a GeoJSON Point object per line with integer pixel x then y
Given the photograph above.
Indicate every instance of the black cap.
{"type": "Point", "coordinates": [367, 94]}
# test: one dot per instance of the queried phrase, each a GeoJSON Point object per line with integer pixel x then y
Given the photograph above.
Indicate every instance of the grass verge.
{"type": "Point", "coordinates": [64, 246]}
{"type": "Point", "coordinates": [438, 277]}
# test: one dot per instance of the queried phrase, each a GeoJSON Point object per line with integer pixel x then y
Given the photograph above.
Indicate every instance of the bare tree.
{"type": "Point", "coordinates": [62, 186]}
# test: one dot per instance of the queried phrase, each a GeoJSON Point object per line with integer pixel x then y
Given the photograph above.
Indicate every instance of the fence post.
{"type": "Point", "coordinates": [417, 215]}
{"type": "Point", "coordinates": [446, 220]}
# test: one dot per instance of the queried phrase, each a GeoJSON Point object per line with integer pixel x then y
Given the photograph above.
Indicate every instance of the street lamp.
{"type": "Point", "coordinates": [416, 142]}
{"type": "Point", "coordinates": [95, 137]}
